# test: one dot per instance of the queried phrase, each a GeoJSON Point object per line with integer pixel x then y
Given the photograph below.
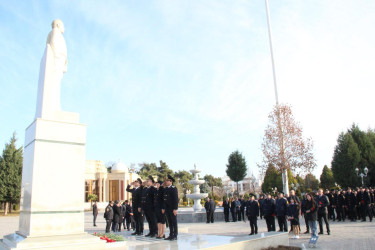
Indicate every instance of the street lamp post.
{"type": "Point", "coordinates": [274, 190]}
{"type": "Point", "coordinates": [365, 170]}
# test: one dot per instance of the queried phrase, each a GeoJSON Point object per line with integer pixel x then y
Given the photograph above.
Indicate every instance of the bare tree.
{"type": "Point", "coordinates": [283, 144]}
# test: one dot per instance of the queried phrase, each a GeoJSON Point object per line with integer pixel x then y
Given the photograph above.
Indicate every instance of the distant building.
{"type": "Point", "coordinates": [107, 186]}
{"type": "Point", "coordinates": [249, 184]}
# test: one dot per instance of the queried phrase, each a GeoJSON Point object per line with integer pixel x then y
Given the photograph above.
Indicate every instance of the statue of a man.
{"type": "Point", "coordinates": [52, 67]}
{"type": "Point", "coordinates": [57, 42]}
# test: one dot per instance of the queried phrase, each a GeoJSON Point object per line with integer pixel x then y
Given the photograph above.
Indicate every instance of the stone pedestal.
{"type": "Point", "coordinates": [52, 199]}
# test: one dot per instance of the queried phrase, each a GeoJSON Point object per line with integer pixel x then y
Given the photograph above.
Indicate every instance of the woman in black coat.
{"type": "Point", "coordinates": [311, 214]}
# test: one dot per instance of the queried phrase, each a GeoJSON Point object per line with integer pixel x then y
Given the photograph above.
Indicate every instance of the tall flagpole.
{"type": "Point", "coordinates": [282, 153]}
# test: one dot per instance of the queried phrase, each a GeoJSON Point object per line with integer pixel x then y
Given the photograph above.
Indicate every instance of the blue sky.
{"type": "Point", "coordinates": [191, 81]}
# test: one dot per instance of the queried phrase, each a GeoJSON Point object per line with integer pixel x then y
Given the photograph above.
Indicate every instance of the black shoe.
{"type": "Point", "coordinates": [251, 233]}
{"type": "Point", "coordinates": [320, 233]}
{"type": "Point", "coordinates": [95, 225]}
{"type": "Point", "coordinates": [307, 232]}
{"type": "Point", "coordinates": [168, 238]}
{"type": "Point", "coordinates": [280, 231]}
{"type": "Point", "coordinates": [139, 233]}
{"type": "Point", "coordinates": [329, 233]}
{"type": "Point", "coordinates": [135, 233]}
{"type": "Point", "coordinates": [148, 235]}
{"type": "Point", "coordinates": [152, 235]}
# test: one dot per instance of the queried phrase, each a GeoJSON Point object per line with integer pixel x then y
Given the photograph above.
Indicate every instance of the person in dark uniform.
{"type": "Point", "coordinates": [159, 205]}
{"type": "Point", "coordinates": [117, 218]}
{"type": "Point", "coordinates": [323, 203]}
{"type": "Point", "coordinates": [339, 205]}
{"type": "Point", "coordinates": [226, 207]}
{"type": "Point", "coordinates": [260, 201]}
{"type": "Point", "coordinates": [303, 212]}
{"type": "Point", "coordinates": [242, 208]}
{"type": "Point", "coordinates": [207, 207]}
{"type": "Point", "coordinates": [330, 207]}
{"type": "Point", "coordinates": [238, 209]}
{"type": "Point", "coordinates": [95, 212]}
{"type": "Point", "coordinates": [233, 209]}
{"type": "Point", "coordinates": [171, 207]}
{"type": "Point", "coordinates": [108, 216]}
{"type": "Point", "coordinates": [128, 212]}
{"type": "Point", "coordinates": [351, 205]}
{"type": "Point", "coordinates": [148, 202]}
{"type": "Point", "coordinates": [252, 213]}
{"type": "Point", "coordinates": [269, 212]}
{"type": "Point", "coordinates": [212, 210]}
{"type": "Point", "coordinates": [281, 212]}
{"type": "Point", "coordinates": [123, 211]}
{"type": "Point", "coordinates": [137, 212]}
{"type": "Point", "coordinates": [367, 204]}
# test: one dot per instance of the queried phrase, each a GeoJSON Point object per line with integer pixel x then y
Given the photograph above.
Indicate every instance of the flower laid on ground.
{"type": "Point", "coordinates": [110, 237]}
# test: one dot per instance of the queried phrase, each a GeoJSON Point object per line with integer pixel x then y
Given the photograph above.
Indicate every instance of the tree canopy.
{"type": "Point", "coordinates": [326, 178]}
{"type": "Point", "coordinates": [236, 167]}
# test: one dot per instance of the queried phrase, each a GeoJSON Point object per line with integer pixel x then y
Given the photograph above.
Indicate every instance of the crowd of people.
{"type": "Point", "coordinates": [315, 208]}
{"type": "Point", "coordinates": [157, 201]}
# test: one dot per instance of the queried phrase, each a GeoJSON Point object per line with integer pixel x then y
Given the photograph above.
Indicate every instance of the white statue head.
{"type": "Point", "coordinates": [58, 24]}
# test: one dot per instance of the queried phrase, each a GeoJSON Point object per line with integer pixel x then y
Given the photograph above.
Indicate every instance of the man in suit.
{"type": "Point", "coordinates": [128, 212]}
{"type": "Point", "coordinates": [269, 212]}
{"type": "Point", "coordinates": [137, 211]}
{"type": "Point", "coordinates": [323, 203]}
{"type": "Point", "coordinates": [252, 213]}
{"type": "Point", "coordinates": [148, 206]}
{"type": "Point", "coordinates": [171, 207]}
{"type": "Point", "coordinates": [207, 206]}
{"type": "Point", "coordinates": [108, 216]}
{"type": "Point", "coordinates": [281, 212]}
{"type": "Point", "coordinates": [226, 207]}
{"type": "Point", "coordinates": [212, 210]}
{"type": "Point", "coordinates": [95, 212]}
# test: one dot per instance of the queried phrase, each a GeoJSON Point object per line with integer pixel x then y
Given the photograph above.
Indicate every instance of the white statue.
{"type": "Point", "coordinates": [52, 67]}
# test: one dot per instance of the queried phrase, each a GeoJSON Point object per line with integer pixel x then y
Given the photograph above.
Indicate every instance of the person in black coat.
{"type": "Point", "coordinates": [148, 206]}
{"type": "Point", "coordinates": [303, 212]}
{"type": "Point", "coordinates": [242, 208]}
{"type": "Point", "coordinates": [233, 209]}
{"type": "Point", "coordinates": [293, 216]}
{"type": "Point", "coordinates": [260, 201]}
{"type": "Point", "coordinates": [269, 212]}
{"type": "Point", "coordinates": [252, 213]}
{"type": "Point", "coordinates": [207, 207]}
{"type": "Point", "coordinates": [281, 212]}
{"type": "Point", "coordinates": [117, 218]}
{"type": "Point", "coordinates": [128, 212]}
{"type": "Point", "coordinates": [323, 203]}
{"type": "Point", "coordinates": [171, 207]}
{"type": "Point", "coordinates": [137, 211]}
{"type": "Point", "coordinates": [108, 216]}
{"type": "Point", "coordinates": [311, 213]}
{"type": "Point", "coordinates": [159, 206]}
{"type": "Point", "coordinates": [123, 212]}
{"type": "Point", "coordinates": [212, 210]}
{"type": "Point", "coordinates": [226, 207]}
{"type": "Point", "coordinates": [95, 212]}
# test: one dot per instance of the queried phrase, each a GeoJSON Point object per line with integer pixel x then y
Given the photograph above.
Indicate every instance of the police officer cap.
{"type": "Point", "coordinates": [160, 182]}
{"type": "Point", "coordinates": [151, 179]}
{"type": "Point", "coordinates": [171, 178]}
{"type": "Point", "coordinates": [139, 180]}
{"type": "Point", "coordinates": [281, 192]}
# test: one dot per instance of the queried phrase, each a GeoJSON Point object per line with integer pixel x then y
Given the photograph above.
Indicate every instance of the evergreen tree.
{"type": "Point", "coordinates": [272, 179]}
{"type": "Point", "coordinates": [311, 182]}
{"type": "Point", "coordinates": [326, 178]}
{"type": "Point", "coordinates": [346, 158]}
{"type": "Point", "coordinates": [213, 181]}
{"type": "Point", "coordinates": [236, 167]}
{"type": "Point", "coordinates": [11, 173]}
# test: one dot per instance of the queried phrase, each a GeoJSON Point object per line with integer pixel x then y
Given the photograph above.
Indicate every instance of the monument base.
{"type": "Point", "coordinates": [76, 241]}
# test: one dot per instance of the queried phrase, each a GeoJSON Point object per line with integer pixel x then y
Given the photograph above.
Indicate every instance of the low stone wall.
{"type": "Point", "coordinates": [191, 217]}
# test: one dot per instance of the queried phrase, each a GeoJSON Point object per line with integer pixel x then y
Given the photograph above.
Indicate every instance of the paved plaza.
{"type": "Point", "coordinates": [344, 235]}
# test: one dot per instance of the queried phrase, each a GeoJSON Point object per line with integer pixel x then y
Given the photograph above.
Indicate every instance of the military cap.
{"type": "Point", "coordinates": [151, 179]}
{"type": "Point", "coordinates": [160, 182]}
{"type": "Point", "coordinates": [139, 180]}
{"type": "Point", "coordinates": [171, 178]}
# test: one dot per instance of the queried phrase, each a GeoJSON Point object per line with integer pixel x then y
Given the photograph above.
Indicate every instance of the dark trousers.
{"type": "Point", "coordinates": [283, 226]}
{"type": "Point", "coordinates": [307, 225]}
{"type": "Point", "coordinates": [95, 215]}
{"type": "Point", "coordinates": [208, 215]}
{"type": "Point", "coordinates": [172, 219]}
{"type": "Point", "coordinates": [238, 212]}
{"type": "Point", "coordinates": [352, 213]}
{"type": "Point", "coordinates": [108, 226]}
{"type": "Point", "coordinates": [226, 216]}
{"type": "Point", "coordinates": [127, 222]}
{"type": "Point", "coordinates": [114, 226]}
{"type": "Point", "coordinates": [369, 212]}
{"type": "Point", "coordinates": [253, 224]}
{"type": "Point", "coordinates": [331, 213]}
{"type": "Point", "coordinates": [234, 216]}
{"type": "Point", "coordinates": [340, 213]}
{"type": "Point", "coordinates": [321, 217]}
{"type": "Point", "coordinates": [151, 219]}
{"type": "Point", "coordinates": [243, 214]}
{"type": "Point", "coordinates": [270, 220]}
{"type": "Point", "coordinates": [138, 221]}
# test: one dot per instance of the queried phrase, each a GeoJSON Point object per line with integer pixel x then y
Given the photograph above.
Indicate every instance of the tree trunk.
{"type": "Point", "coordinates": [6, 208]}
{"type": "Point", "coordinates": [10, 207]}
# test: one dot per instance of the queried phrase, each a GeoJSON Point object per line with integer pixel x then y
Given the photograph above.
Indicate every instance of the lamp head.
{"type": "Point", "coordinates": [357, 170]}
{"type": "Point", "coordinates": [366, 170]}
